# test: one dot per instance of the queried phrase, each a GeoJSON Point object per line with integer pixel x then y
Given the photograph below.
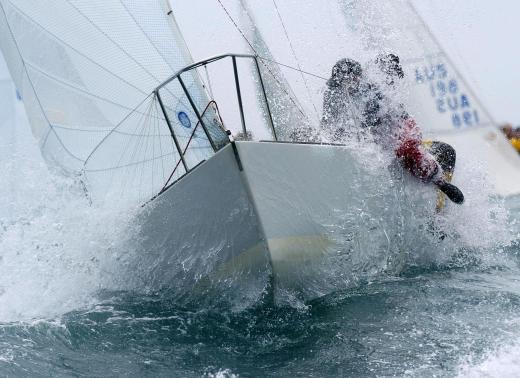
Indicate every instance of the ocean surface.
{"type": "Point", "coordinates": [66, 312]}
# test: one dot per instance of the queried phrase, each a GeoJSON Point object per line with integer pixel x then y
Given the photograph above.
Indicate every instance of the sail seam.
{"type": "Point", "coordinates": [34, 89]}
{"type": "Point", "coordinates": [296, 59]}
{"type": "Point", "coordinates": [74, 49]}
{"type": "Point", "coordinates": [114, 42]}
{"type": "Point", "coordinates": [155, 48]}
{"type": "Point", "coordinates": [121, 48]}
{"type": "Point", "coordinates": [63, 82]}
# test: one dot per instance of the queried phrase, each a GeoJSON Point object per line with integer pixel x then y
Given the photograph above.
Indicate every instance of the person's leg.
{"type": "Point", "coordinates": [417, 160]}
{"type": "Point", "coordinates": [446, 156]}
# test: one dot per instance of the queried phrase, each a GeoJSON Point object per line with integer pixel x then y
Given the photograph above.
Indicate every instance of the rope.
{"type": "Point", "coordinates": [296, 59]}
{"type": "Point", "coordinates": [294, 68]}
{"type": "Point", "coordinates": [209, 82]}
{"type": "Point", "coordinates": [258, 55]}
{"type": "Point", "coordinates": [263, 58]}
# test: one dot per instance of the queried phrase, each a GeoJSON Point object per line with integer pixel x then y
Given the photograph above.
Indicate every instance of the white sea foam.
{"type": "Point", "coordinates": [504, 362]}
{"type": "Point", "coordinates": [56, 250]}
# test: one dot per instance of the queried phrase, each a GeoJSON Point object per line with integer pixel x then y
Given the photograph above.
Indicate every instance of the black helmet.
{"type": "Point", "coordinates": [389, 64]}
{"type": "Point", "coordinates": [345, 69]}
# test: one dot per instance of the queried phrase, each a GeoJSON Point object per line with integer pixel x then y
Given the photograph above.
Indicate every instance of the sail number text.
{"type": "Point", "coordinates": [448, 95]}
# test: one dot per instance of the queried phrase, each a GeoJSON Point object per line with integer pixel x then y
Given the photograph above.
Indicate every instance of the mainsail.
{"type": "Point", "coordinates": [311, 35]}
{"type": "Point", "coordinates": [305, 39]}
{"type": "Point", "coordinates": [87, 71]}
{"type": "Point", "coordinates": [435, 91]}
{"type": "Point", "coordinates": [437, 94]}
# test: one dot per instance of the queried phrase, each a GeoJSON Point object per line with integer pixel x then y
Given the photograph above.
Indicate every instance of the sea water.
{"type": "Point", "coordinates": [68, 307]}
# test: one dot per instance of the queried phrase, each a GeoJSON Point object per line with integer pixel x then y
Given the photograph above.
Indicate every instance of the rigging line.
{"type": "Point", "coordinates": [156, 127]}
{"type": "Point", "coordinates": [294, 68]}
{"type": "Point", "coordinates": [34, 90]}
{"type": "Point", "coordinates": [113, 168]}
{"type": "Point", "coordinates": [136, 150]}
{"type": "Point", "coordinates": [124, 150]}
{"type": "Point", "coordinates": [296, 58]}
{"type": "Point", "coordinates": [105, 131]}
{"type": "Point", "coordinates": [136, 146]}
{"type": "Point", "coordinates": [151, 130]}
{"type": "Point", "coordinates": [111, 40]}
{"type": "Point", "coordinates": [142, 167]}
{"type": "Point", "coordinates": [146, 35]}
{"type": "Point", "coordinates": [109, 129]}
{"type": "Point", "coordinates": [263, 63]}
{"type": "Point", "coordinates": [237, 27]}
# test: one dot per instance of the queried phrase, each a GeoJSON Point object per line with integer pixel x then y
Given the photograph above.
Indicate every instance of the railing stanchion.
{"type": "Point", "coordinates": [239, 96]}
{"type": "Point", "coordinates": [177, 145]}
{"type": "Point", "coordinates": [208, 135]}
{"type": "Point", "coordinates": [269, 115]}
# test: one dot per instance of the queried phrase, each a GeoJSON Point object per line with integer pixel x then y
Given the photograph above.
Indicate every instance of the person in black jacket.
{"type": "Point", "coordinates": [353, 103]}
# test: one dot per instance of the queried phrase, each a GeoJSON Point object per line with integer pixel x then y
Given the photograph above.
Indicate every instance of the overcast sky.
{"type": "Point", "coordinates": [481, 36]}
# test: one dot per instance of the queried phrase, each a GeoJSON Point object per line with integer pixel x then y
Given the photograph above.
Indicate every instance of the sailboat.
{"type": "Point", "coordinates": [229, 205]}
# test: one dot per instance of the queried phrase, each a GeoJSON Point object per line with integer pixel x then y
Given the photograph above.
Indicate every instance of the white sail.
{"type": "Point", "coordinates": [307, 36]}
{"type": "Point", "coordinates": [86, 70]}
{"type": "Point", "coordinates": [435, 91]}
{"type": "Point", "coordinates": [311, 36]}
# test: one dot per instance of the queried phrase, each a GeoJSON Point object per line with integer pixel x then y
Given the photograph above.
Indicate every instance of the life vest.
{"type": "Point", "coordinates": [516, 143]}
{"type": "Point", "coordinates": [411, 153]}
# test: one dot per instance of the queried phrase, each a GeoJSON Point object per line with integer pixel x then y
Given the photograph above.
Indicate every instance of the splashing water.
{"type": "Point", "coordinates": [56, 250]}
{"type": "Point", "coordinates": [65, 261]}
{"type": "Point", "coordinates": [504, 361]}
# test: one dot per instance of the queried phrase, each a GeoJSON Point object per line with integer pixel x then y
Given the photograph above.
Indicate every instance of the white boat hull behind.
{"type": "Point", "coordinates": [493, 152]}
{"type": "Point", "coordinates": [306, 219]}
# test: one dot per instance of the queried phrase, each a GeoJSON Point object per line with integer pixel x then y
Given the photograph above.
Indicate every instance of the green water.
{"type": "Point", "coordinates": [423, 323]}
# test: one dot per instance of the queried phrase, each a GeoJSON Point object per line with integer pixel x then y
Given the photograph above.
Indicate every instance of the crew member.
{"type": "Point", "coordinates": [350, 95]}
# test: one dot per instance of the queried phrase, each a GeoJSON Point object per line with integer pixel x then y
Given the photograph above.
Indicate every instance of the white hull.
{"type": "Point", "coordinates": [295, 215]}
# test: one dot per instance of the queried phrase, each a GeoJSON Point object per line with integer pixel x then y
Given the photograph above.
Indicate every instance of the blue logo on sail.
{"type": "Point", "coordinates": [184, 119]}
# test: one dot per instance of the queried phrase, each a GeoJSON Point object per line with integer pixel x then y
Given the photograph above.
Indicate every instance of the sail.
{"type": "Point", "coordinates": [305, 39]}
{"type": "Point", "coordinates": [289, 117]}
{"type": "Point", "coordinates": [436, 93]}
{"type": "Point", "coordinates": [311, 35]}
{"type": "Point", "coordinates": [87, 71]}
{"type": "Point", "coordinates": [7, 97]}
